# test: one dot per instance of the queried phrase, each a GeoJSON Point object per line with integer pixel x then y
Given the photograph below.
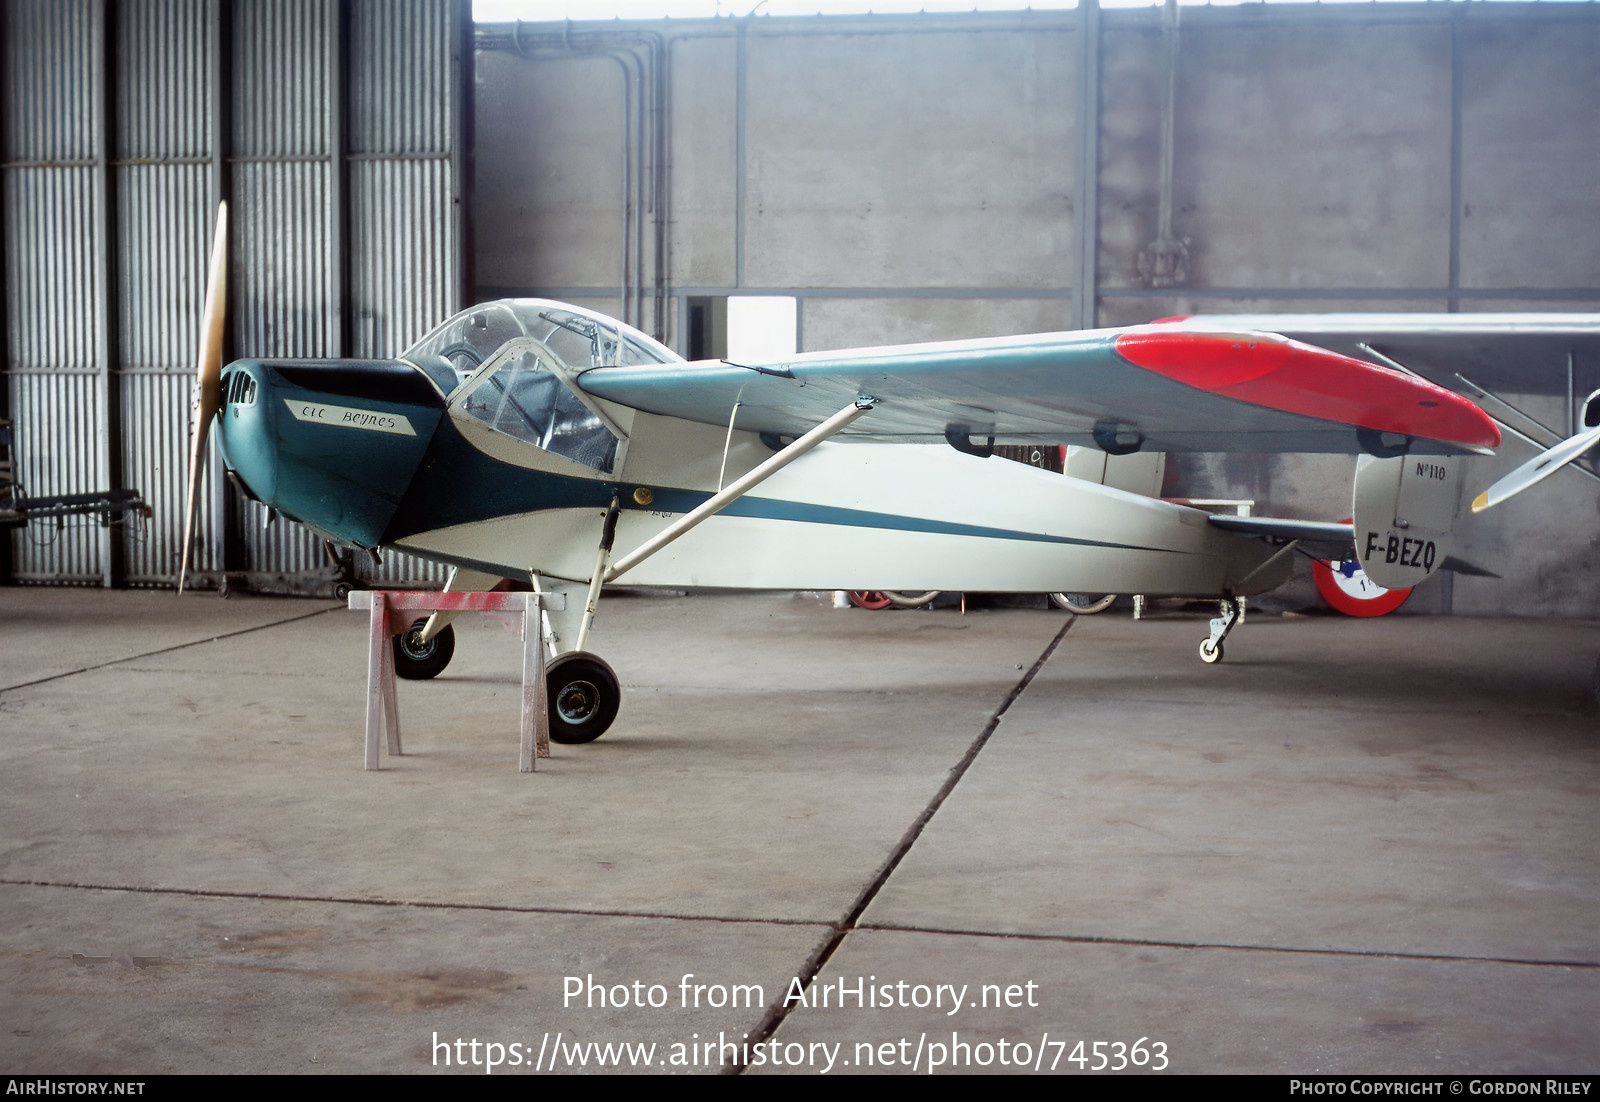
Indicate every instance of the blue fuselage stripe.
{"type": "Point", "coordinates": [800, 512]}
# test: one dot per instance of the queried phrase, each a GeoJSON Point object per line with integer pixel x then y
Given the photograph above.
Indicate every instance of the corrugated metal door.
{"type": "Point", "coordinates": [166, 176]}
{"type": "Point", "coordinates": [404, 267]}
{"type": "Point", "coordinates": [333, 128]}
{"type": "Point", "coordinates": [55, 304]}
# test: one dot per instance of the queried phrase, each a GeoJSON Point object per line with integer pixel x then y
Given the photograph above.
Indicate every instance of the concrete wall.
{"type": "Point", "coordinates": [913, 178]}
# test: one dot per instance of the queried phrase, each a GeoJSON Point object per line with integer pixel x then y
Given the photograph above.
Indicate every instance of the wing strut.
{"type": "Point", "coordinates": [460, 581]}
{"type": "Point", "coordinates": [741, 486]}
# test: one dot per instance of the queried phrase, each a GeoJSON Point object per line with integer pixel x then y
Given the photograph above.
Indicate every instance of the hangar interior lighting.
{"type": "Point", "coordinates": [507, 11]}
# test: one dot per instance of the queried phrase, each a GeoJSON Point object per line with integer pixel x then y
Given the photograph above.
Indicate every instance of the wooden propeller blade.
{"type": "Point", "coordinates": [208, 379]}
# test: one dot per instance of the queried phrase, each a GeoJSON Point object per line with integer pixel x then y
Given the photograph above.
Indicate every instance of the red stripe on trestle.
{"type": "Point", "coordinates": [1267, 370]}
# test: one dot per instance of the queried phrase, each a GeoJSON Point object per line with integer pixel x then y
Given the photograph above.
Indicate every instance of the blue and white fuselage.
{"type": "Point", "coordinates": [480, 448]}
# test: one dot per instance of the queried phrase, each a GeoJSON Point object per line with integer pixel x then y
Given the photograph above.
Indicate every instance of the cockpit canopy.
{"type": "Point", "coordinates": [580, 339]}
{"type": "Point", "coordinates": [513, 367]}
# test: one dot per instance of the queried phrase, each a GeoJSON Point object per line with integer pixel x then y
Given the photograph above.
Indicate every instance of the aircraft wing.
{"type": "Point", "coordinates": [1156, 387]}
{"type": "Point", "coordinates": [1517, 353]}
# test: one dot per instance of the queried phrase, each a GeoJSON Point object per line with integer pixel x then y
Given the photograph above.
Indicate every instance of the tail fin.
{"type": "Point", "coordinates": [1404, 511]}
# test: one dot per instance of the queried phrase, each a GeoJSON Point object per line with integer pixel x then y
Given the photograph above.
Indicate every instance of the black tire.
{"type": "Point", "coordinates": [584, 697]}
{"type": "Point", "coordinates": [1083, 604]}
{"type": "Point", "coordinates": [418, 661]}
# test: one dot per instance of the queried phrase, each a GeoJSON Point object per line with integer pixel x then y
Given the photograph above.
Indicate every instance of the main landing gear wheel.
{"type": "Point", "coordinates": [1083, 604]}
{"type": "Point", "coordinates": [415, 660]}
{"type": "Point", "coordinates": [584, 697]}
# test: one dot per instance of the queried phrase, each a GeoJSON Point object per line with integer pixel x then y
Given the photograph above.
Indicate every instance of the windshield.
{"type": "Point", "coordinates": [581, 339]}
{"type": "Point", "coordinates": [520, 396]}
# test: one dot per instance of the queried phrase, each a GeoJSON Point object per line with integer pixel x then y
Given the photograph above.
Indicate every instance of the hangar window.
{"type": "Point", "coordinates": [743, 329]}
{"type": "Point", "coordinates": [762, 328]}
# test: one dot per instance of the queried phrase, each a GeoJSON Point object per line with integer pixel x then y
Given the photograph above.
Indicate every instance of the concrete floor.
{"type": "Point", "coordinates": [1355, 847]}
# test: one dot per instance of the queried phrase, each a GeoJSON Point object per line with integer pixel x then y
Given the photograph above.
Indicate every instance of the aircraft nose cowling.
{"type": "Point", "coordinates": [244, 433]}
{"type": "Point", "coordinates": [333, 444]}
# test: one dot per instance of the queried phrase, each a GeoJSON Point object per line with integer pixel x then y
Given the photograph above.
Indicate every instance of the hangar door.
{"type": "Point", "coordinates": [334, 129]}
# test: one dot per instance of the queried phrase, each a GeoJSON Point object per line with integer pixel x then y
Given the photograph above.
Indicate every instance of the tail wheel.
{"type": "Point", "coordinates": [584, 697]}
{"type": "Point", "coordinates": [415, 660]}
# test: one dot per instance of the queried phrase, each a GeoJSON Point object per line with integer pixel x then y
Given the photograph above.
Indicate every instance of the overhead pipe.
{"type": "Point", "coordinates": [1165, 261]}
{"type": "Point", "coordinates": [646, 123]}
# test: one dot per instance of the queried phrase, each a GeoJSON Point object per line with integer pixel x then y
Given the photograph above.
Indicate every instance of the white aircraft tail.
{"type": "Point", "coordinates": [1404, 511]}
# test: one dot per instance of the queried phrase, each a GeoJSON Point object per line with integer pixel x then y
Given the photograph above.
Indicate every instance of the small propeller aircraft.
{"type": "Point", "coordinates": [537, 441]}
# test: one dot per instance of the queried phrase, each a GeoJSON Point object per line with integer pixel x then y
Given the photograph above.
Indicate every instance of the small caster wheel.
{"type": "Point", "coordinates": [1210, 653]}
{"type": "Point", "coordinates": [415, 660]}
{"type": "Point", "coordinates": [224, 590]}
{"type": "Point", "coordinates": [341, 591]}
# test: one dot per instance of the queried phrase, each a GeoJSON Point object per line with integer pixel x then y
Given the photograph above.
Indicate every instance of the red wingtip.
{"type": "Point", "coordinates": [1173, 320]}
{"type": "Point", "coordinates": [1272, 371]}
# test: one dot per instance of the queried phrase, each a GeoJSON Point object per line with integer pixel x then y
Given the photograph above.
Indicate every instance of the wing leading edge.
{"type": "Point", "coordinates": [1518, 353]}
{"type": "Point", "coordinates": [1159, 388]}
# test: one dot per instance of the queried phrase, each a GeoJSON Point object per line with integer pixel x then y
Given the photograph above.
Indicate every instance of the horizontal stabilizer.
{"type": "Point", "coordinates": [1324, 539]}
{"type": "Point", "coordinates": [1311, 531]}
{"type": "Point", "coordinates": [1461, 566]}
